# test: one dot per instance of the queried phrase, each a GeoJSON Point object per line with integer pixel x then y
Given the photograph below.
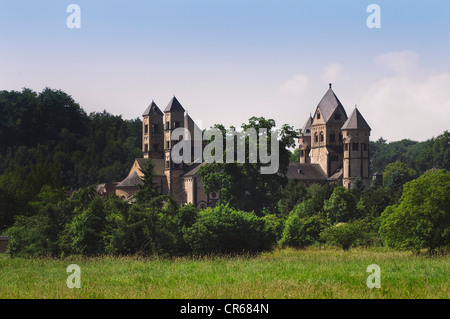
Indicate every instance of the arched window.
{"type": "Point", "coordinates": [316, 137]}
{"type": "Point", "coordinates": [321, 136]}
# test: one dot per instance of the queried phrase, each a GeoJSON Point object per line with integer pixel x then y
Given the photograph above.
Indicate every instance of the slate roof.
{"type": "Point", "coordinates": [174, 106]}
{"type": "Point", "coordinates": [328, 105]}
{"type": "Point", "coordinates": [132, 180]}
{"type": "Point", "coordinates": [307, 126]}
{"type": "Point", "coordinates": [356, 121]}
{"type": "Point", "coordinates": [152, 109]}
{"type": "Point", "coordinates": [306, 171]}
{"type": "Point", "coordinates": [193, 168]}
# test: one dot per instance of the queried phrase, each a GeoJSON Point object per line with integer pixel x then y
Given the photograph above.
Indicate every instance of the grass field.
{"type": "Point", "coordinates": [287, 273]}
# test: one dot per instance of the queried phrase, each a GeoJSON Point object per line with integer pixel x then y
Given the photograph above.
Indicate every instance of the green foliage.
{"type": "Point", "coordinates": [148, 190]}
{"type": "Point", "coordinates": [420, 156]}
{"type": "Point", "coordinates": [421, 219]}
{"type": "Point", "coordinates": [225, 230]}
{"type": "Point", "coordinates": [341, 206]}
{"type": "Point", "coordinates": [303, 227]}
{"type": "Point", "coordinates": [295, 156]}
{"type": "Point", "coordinates": [48, 139]}
{"type": "Point", "coordinates": [291, 195]}
{"type": "Point", "coordinates": [242, 186]}
{"type": "Point", "coordinates": [346, 235]}
{"type": "Point", "coordinates": [396, 174]}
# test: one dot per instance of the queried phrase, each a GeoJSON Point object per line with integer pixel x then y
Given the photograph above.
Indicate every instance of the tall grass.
{"type": "Point", "coordinates": [283, 273]}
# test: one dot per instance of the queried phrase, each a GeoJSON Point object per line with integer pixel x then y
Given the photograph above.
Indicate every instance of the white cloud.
{"type": "Point", "coordinates": [331, 72]}
{"type": "Point", "coordinates": [400, 62]}
{"type": "Point", "coordinates": [407, 105]}
{"type": "Point", "coordinates": [296, 86]}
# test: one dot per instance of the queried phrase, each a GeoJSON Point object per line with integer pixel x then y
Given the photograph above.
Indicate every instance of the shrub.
{"type": "Point", "coordinates": [346, 235]}
{"type": "Point", "coordinates": [302, 231]}
{"type": "Point", "coordinates": [225, 230]}
{"type": "Point", "coordinates": [421, 219]}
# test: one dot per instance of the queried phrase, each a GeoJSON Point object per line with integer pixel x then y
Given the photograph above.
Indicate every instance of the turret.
{"type": "Point", "coordinates": [356, 132]}
{"type": "Point", "coordinates": [152, 132]}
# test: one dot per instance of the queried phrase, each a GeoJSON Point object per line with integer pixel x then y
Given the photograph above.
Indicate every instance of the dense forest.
{"type": "Point", "coordinates": [49, 146]}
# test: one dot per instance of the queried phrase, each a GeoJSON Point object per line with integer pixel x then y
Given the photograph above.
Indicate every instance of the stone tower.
{"type": "Point", "coordinates": [152, 132]}
{"type": "Point", "coordinates": [326, 137]}
{"type": "Point", "coordinates": [356, 134]}
{"type": "Point", "coordinates": [304, 141]}
{"type": "Point", "coordinates": [173, 118]}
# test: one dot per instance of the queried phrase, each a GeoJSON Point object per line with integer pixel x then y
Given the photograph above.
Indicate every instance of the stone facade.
{"type": "Point", "coordinates": [338, 144]}
{"type": "Point", "coordinates": [333, 148]}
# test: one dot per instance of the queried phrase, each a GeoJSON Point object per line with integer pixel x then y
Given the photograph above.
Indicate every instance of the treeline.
{"type": "Point", "coordinates": [47, 139]}
{"type": "Point", "coordinates": [91, 225]}
{"type": "Point", "coordinates": [420, 156]}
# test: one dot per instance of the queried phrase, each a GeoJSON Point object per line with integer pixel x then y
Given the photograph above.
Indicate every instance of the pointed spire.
{"type": "Point", "coordinates": [174, 106]}
{"type": "Point", "coordinates": [356, 121]}
{"type": "Point", "coordinates": [152, 109]}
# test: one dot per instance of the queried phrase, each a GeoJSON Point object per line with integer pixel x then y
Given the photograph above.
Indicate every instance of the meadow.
{"type": "Point", "coordinates": [281, 274]}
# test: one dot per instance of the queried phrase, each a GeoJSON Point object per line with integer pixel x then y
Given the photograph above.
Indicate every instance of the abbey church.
{"type": "Point", "coordinates": [333, 148]}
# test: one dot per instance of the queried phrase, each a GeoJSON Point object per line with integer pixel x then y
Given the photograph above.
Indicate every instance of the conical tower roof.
{"type": "Point", "coordinates": [152, 109]}
{"type": "Point", "coordinates": [174, 106]}
{"type": "Point", "coordinates": [356, 122]}
{"type": "Point", "coordinates": [329, 104]}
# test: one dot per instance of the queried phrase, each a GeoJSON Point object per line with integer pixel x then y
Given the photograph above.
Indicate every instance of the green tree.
{"type": "Point", "coordinates": [148, 189]}
{"type": "Point", "coordinates": [347, 235]}
{"type": "Point", "coordinates": [341, 206]}
{"type": "Point", "coordinates": [396, 174]}
{"type": "Point", "coordinates": [241, 185]}
{"type": "Point", "coordinates": [421, 219]}
{"type": "Point", "coordinates": [302, 227]}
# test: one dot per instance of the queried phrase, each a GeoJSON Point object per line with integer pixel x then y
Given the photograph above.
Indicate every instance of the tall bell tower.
{"type": "Point", "coordinates": [356, 134]}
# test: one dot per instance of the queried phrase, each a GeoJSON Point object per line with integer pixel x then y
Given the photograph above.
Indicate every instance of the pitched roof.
{"type": "Point", "coordinates": [328, 105]}
{"type": "Point", "coordinates": [174, 106]}
{"type": "Point", "coordinates": [152, 109]}
{"type": "Point", "coordinates": [132, 180]}
{"type": "Point", "coordinates": [306, 171]}
{"type": "Point", "coordinates": [356, 121]}
{"type": "Point", "coordinates": [307, 126]}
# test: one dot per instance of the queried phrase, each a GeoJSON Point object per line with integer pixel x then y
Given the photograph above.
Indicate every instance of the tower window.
{"type": "Point", "coordinates": [318, 116]}
{"type": "Point", "coordinates": [145, 148]}
{"type": "Point", "coordinates": [167, 164]}
{"type": "Point", "coordinates": [154, 128]}
{"type": "Point", "coordinates": [355, 146]}
{"type": "Point", "coordinates": [167, 125]}
{"type": "Point", "coordinates": [321, 136]}
{"type": "Point", "coordinates": [301, 153]}
{"type": "Point", "coordinates": [167, 144]}
{"type": "Point", "coordinates": [176, 124]}
{"type": "Point", "coordinates": [332, 137]}
{"type": "Point", "coordinates": [316, 137]}
{"type": "Point", "coordinates": [346, 147]}
{"type": "Point", "coordinates": [146, 128]}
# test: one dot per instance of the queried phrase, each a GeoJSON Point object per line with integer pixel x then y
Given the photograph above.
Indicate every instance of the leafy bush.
{"type": "Point", "coordinates": [341, 206]}
{"type": "Point", "coordinates": [302, 231]}
{"type": "Point", "coordinates": [346, 235]}
{"type": "Point", "coordinates": [421, 219]}
{"type": "Point", "coordinates": [225, 230]}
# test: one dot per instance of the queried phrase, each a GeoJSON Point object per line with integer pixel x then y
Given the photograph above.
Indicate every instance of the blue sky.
{"type": "Point", "coordinates": [229, 60]}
